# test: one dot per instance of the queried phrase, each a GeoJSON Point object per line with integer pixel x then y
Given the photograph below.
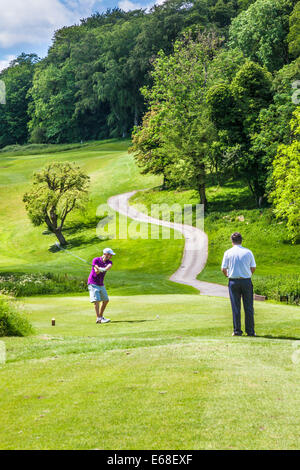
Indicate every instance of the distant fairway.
{"type": "Point", "coordinates": [141, 266]}
{"type": "Point", "coordinates": [177, 382]}
{"type": "Point", "coordinates": [166, 372]}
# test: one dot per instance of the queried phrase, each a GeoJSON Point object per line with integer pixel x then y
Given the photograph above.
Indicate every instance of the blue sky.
{"type": "Point", "coordinates": [28, 25]}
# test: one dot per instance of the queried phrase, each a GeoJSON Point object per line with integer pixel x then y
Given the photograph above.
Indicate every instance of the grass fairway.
{"type": "Point", "coordinates": [141, 267]}
{"type": "Point", "coordinates": [179, 381]}
{"type": "Point", "coordinates": [262, 233]}
{"type": "Point", "coordinates": [166, 372]}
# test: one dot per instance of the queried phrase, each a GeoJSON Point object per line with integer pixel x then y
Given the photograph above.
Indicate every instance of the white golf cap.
{"type": "Point", "coordinates": [109, 251]}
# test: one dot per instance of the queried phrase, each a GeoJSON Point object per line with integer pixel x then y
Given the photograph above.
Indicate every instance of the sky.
{"type": "Point", "coordinates": [28, 25]}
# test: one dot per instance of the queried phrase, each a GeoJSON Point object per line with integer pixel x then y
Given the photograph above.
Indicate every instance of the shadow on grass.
{"type": "Point", "coordinates": [293, 338]}
{"type": "Point", "coordinates": [53, 249]}
{"type": "Point", "coordinates": [224, 194]}
{"type": "Point", "coordinates": [74, 242]}
{"type": "Point", "coordinates": [237, 198]}
{"type": "Point", "coordinates": [130, 321]}
{"type": "Point", "coordinates": [80, 241]}
{"type": "Point", "coordinates": [75, 227]}
{"type": "Point", "coordinates": [289, 242]}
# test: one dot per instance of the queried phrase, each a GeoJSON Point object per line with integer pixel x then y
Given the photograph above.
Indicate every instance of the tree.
{"type": "Point", "coordinates": [146, 146]}
{"type": "Point", "coordinates": [272, 123]}
{"type": "Point", "coordinates": [53, 103]}
{"type": "Point", "coordinates": [13, 115]}
{"type": "Point", "coordinates": [178, 93]}
{"type": "Point", "coordinates": [294, 34]}
{"type": "Point", "coordinates": [117, 83]}
{"type": "Point", "coordinates": [286, 180]}
{"type": "Point", "coordinates": [57, 190]}
{"type": "Point", "coordinates": [261, 32]}
{"type": "Point", "coordinates": [234, 109]}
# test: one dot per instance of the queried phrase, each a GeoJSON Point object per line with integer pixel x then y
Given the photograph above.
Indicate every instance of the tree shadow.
{"type": "Point", "coordinates": [289, 242]}
{"type": "Point", "coordinates": [81, 240]}
{"type": "Point", "coordinates": [76, 226]}
{"type": "Point", "coordinates": [74, 243]}
{"type": "Point", "coordinates": [53, 249]}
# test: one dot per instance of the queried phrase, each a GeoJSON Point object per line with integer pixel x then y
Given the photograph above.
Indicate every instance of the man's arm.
{"type": "Point", "coordinates": [252, 263]}
{"type": "Point", "coordinates": [224, 266]}
{"type": "Point", "coordinates": [101, 270]}
{"type": "Point", "coordinates": [225, 272]}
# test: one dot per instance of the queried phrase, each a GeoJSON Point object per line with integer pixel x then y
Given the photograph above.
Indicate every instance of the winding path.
{"type": "Point", "coordinates": [195, 249]}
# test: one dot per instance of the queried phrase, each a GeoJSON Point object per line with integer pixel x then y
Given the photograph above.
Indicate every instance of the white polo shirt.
{"type": "Point", "coordinates": [238, 261]}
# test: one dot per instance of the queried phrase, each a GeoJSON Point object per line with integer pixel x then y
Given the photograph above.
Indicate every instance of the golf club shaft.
{"type": "Point", "coordinates": [78, 257]}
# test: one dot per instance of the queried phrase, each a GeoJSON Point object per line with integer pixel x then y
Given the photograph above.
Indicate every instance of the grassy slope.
{"type": "Point", "coordinates": [140, 267]}
{"type": "Point", "coordinates": [262, 234]}
{"type": "Point", "coordinates": [177, 382]}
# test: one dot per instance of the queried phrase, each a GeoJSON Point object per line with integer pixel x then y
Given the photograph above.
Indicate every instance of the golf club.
{"type": "Point", "coordinates": [75, 256]}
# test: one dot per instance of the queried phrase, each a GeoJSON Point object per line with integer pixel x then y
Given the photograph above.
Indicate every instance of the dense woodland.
{"type": "Point", "coordinates": [201, 86]}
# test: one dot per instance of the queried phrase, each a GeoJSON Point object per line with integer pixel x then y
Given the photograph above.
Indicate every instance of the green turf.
{"type": "Point", "coordinates": [179, 381]}
{"type": "Point", "coordinates": [141, 266]}
{"type": "Point", "coordinates": [262, 233]}
{"type": "Point", "coordinates": [166, 372]}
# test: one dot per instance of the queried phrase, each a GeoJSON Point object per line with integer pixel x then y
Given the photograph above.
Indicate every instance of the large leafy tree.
{"type": "Point", "coordinates": [56, 191]}
{"type": "Point", "coordinates": [294, 33]}
{"type": "Point", "coordinates": [146, 146]}
{"type": "Point", "coordinates": [53, 104]}
{"type": "Point", "coordinates": [178, 94]}
{"type": "Point", "coordinates": [261, 32]}
{"type": "Point", "coordinates": [234, 109]}
{"type": "Point", "coordinates": [13, 115]}
{"type": "Point", "coordinates": [62, 109]}
{"type": "Point", "coordinates": [272, 128]}
{"type": "Point", "coordinates": [286, 181]}
{"type": "Point", "coordinates": [117, 83]}
{"type": "Point", "coordinates": [53, 92]}
{"type": "Point", "coordinates": [88, 87]}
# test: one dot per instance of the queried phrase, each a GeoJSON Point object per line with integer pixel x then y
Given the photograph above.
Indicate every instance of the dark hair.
{"type": "Point", "coordinates": [236, 238]}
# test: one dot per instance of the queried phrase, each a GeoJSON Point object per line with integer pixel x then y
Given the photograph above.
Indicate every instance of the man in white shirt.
{"type": "Point", "coordinates": [238, 265]}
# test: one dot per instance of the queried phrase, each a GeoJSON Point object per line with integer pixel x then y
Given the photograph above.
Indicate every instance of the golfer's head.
{"type": "Point", "coordinates": [236, 238]}
{"type": "Point", "coordinates": [108, 253]}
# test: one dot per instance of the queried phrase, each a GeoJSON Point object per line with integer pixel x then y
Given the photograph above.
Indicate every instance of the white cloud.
{"type": "Point", "coordinates": [6, 61]}
{"type": "Point", "coordinates": [34, 21]}
{"type": "Point", "coordinates": [127, 5]}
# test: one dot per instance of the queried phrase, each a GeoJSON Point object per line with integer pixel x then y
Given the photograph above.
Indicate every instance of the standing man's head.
{"type": "Point", "coordinates": [236, 238]}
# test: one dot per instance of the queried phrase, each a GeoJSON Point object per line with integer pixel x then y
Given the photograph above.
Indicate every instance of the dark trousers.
{"type": "Point", "coordinates": [242, 288]}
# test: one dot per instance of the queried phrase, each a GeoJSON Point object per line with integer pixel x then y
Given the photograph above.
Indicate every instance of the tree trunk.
{"type": "Point", "coordinates": [165, 182]}
{"type": "Point", "coordinates": [136, 115]}
{"type": "Point", "coordinates": [201, 191]}
{"type": "Point", "coordinates": [60, 237]}
{"type": "Point", "coordinates": [201, 187]}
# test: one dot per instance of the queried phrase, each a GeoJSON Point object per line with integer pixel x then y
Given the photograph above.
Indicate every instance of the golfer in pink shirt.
{"type": "Point", "coordinates": [96, 283]}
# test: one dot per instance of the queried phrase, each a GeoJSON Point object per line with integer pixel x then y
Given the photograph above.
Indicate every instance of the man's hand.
{"type": "Point", "coordinates": [98, 270]}
{"type": "Point", "coordinates": [224, 271]}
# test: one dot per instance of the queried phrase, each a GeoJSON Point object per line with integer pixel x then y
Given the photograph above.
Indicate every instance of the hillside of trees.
{"type": "Point", "coordinates": [202, 86]}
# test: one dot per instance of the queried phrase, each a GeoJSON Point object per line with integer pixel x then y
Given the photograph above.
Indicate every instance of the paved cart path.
{"type": "Point", "coordinates": [195, 249]}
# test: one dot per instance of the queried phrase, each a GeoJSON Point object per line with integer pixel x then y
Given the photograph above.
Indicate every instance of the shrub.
{"type": "Point", "coordinates": [11, 322]}
{"type": "Point", "coordinates": [38, 149]}
{"type": "Point", "coordinates": [24, 285]}
{"type": "Point", "coordinates": [284, 288]}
